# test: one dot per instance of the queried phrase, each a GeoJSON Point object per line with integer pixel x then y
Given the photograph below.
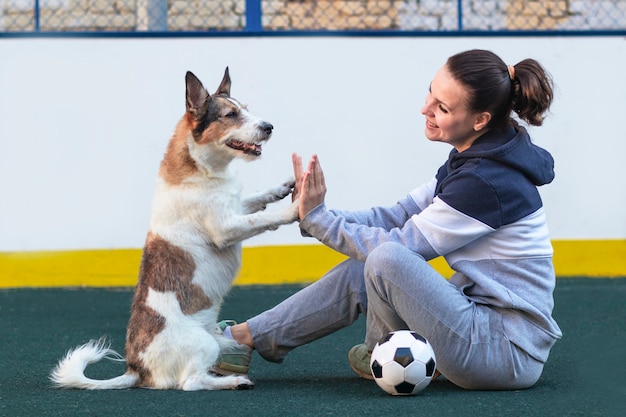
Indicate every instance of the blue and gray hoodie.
{"type": "Point", "coordinates": [483, 213]}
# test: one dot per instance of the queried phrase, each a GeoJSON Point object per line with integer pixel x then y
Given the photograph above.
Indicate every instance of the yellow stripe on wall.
{"type": "Point", "coordinates": [263, 265]}
{"type": "Point", "coordinates": [591, 258]}
{"type": "Point", "coordinates": [95, 268]}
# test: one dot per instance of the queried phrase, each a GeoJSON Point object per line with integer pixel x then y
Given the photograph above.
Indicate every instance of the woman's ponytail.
{"type": "Point", "coordinates": [532, 91]}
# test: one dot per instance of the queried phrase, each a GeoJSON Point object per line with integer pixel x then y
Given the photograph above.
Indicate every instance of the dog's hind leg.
{"type": "Point", "coordinates": [199, 352]}
{"type": "Point", "coordinates": [197, 382]}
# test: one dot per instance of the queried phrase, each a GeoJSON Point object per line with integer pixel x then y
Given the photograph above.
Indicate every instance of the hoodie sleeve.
{"type": "Point", "coordinates": [358, 240]}
{"type": "Point", "coordinates": [437, 230]}
{"type": "Point", "coordinates": [384, 217]}
{"type": "Point", "coordinates": [395, 216]}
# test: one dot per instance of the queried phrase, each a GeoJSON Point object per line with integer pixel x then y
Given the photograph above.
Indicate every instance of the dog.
{"type": "Point", "coordinates": [192, 252]}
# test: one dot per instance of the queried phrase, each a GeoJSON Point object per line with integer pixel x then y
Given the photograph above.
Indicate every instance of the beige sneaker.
{"type": "Point", "coordinates": [359, 359]}
{"type": "Point", "coordinates": [234, 359]}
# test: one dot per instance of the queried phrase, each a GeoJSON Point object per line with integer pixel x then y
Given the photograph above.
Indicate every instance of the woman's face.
{"type": "Point", "coordinates": [448, 118]}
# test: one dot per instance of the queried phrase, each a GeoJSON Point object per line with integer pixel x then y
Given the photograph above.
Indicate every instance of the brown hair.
{"type": "Point", "coordinates": [527, 89]}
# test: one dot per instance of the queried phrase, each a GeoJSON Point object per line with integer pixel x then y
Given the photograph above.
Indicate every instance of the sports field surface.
{"type": "Point", "coordinates": [585, 375]}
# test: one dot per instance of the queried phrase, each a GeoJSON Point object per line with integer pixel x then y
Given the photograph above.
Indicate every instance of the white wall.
{"type": "Point", "coordinates": [84, 123]}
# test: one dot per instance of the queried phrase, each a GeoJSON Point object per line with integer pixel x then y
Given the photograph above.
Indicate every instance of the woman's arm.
{"type": "Point", "coordinates": [436, 230]}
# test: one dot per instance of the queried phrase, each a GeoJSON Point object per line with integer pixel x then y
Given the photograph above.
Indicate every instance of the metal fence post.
{"type": "Point", "coordinates": [152, 15]}
{"type": "Point", "coordinates": [253, 16]}
{"type": "Point", "coordinates": [36, 16]}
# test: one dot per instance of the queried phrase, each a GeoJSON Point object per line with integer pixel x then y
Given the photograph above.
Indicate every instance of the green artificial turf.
{"type": "Point", "coordinates": [585, 375]}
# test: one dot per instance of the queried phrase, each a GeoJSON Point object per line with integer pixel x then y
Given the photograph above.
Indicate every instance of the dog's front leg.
{"type": "Point", "coordinates": [239, 228]}
{"type": "Point", "coordinates": [259, 201]}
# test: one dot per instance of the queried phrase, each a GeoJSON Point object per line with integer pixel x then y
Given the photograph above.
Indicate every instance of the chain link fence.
{"type": "Point", "coordinates": [203, 16]}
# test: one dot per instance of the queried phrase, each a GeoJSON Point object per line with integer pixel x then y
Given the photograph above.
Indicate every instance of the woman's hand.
{"type": "Point", "coordinates": [296, 160]}
{"type": "Point", "coordinates": [312, 186]}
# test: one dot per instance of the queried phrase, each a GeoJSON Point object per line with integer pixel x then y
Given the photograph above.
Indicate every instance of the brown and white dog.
{"type": "Point", "coordinates": [192, 252]}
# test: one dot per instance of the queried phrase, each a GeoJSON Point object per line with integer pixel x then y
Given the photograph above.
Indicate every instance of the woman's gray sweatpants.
{"type": "Point", "coordinates": [398, 289]}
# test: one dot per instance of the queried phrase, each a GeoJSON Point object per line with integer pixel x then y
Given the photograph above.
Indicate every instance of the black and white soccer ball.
{"type": "Point", "coordinates": [403, 363]}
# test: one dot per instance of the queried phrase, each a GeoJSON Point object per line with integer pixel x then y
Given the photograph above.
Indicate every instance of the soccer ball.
{"type": "Point", "coordinates": [403, 363]}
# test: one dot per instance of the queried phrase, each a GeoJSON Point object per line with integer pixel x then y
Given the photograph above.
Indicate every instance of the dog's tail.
{"type": "Point", "coordinates": [70, 372]}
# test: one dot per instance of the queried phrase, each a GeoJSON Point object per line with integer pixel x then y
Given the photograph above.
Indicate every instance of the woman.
{"type": "Point", "coordinates": [491, 324]}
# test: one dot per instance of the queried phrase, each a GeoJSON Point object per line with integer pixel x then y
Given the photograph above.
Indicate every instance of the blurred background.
{"type": "Point", "coordinates": [90, 92]}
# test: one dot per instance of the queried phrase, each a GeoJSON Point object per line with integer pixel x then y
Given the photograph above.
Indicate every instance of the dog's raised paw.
{"type": "Point", "coordinates": [290, 183]}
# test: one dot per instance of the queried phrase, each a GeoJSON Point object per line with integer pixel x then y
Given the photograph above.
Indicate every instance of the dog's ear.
{"type": "Point", "coordinates": [224, 87]}
{"type": "Point", "coordinates": [196, 94]}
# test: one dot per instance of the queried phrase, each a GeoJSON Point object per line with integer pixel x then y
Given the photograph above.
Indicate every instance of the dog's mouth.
{"type": "Point", "coordinates": [254, 149]}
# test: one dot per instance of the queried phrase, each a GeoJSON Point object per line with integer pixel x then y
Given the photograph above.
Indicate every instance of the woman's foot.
{"type": "Point", "coordinates": [359, 359]}
{"type": "Point", "coordinates": [233, 359]}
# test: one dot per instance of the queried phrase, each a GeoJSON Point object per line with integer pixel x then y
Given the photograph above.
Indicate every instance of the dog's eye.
{"type": "Point", "coordinates": [231, 114]}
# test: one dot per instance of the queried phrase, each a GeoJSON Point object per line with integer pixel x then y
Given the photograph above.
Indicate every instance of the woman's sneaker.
{"type": "Point", "coordinates": [359, 359]}
{"type": "Point", "coordinates": [234, 359]}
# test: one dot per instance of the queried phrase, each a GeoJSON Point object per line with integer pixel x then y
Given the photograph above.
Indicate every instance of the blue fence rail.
{"type": "Point", "coordinates": [317, 16]}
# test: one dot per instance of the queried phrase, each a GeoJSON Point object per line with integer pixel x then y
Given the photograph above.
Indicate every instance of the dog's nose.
{"type": "Point", "coordinates": [266, 127]}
